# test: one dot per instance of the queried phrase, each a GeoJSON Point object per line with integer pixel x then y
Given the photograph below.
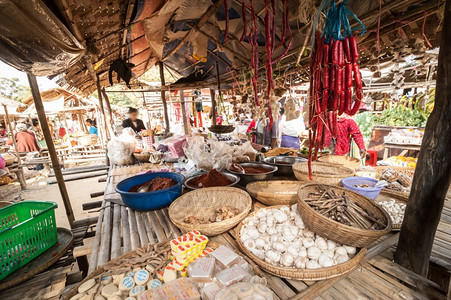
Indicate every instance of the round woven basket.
{"type": "Point", "coordinates": [202, 203]}
{"type": "Point", "coordinates": [387, 195]}
{"type": "Point", "coordinates": [326, 173]}
{"type": "Point", "coordinates": [336, 231]}
{"type": "Point", "coordinates": [275, 192]}
{"type": "Point", "coordinates": [345, 161]}
{"type": "Point", "coordinates": [302, 274]}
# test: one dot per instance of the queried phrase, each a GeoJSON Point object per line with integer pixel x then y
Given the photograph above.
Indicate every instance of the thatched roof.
{"type": "Point", "coordinates": [173, 30]}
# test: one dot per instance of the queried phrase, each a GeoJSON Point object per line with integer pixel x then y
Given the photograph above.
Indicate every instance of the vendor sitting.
{"type": "Point", "coordinates": [291, 131]}
{"type": "Point", "coordinates": [91, 128]}
{"type": "Point", "coordinates": [25, 140]}
{"type": "Point", "coordinates": [133, 122]}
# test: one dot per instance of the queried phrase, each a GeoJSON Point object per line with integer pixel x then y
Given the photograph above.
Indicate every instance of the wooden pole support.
{"type": "Point", "coordinates": [182, 104]}
{"type": "Point", "coordinates": [52, 152]}
{"type": "Point", "coordinates": [163, 98]}
{"type": "Point", "coordinates": [213, 107]}
{"type": "Point", "coordinates": [433, 172]}
{"type": "Point", "coordinates": [12, 134]}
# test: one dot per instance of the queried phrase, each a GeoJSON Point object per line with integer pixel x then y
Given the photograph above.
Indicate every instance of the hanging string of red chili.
{"type": "Point", "coordinates": [253, 41]}
{"type": "Point", "coordinates": [334, 77]}
{"type": "Point", "coordinates": [243, 17]}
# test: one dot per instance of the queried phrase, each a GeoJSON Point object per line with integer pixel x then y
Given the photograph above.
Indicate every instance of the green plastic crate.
{"type": "Point", "coordinates": [27, 229]}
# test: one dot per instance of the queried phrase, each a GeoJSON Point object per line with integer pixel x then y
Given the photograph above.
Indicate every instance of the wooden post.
{"type": "Point", "coordinates": [182, 105]}
{"type": "Point", "coordinates": [102, 110]}
{"type": "Point", "coordinates": [433, 172]}
{"type": "Point", "coordinates": [52, 152]}
{"type": "Point", "coordinates": [163, 98]}
{"type": "Point", "coordinates": [213, 107]}
{"type": "Point", "coordinates": [12, 134]}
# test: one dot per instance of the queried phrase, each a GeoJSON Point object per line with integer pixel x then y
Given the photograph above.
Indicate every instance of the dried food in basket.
{"type": "Point", "coordinates": [279, 237]}
{"type": "Point", "coordinates": [221, 214]}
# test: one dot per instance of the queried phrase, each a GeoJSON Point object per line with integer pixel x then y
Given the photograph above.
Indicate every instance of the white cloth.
{"type": "Point", "coordinates": [293, 127]}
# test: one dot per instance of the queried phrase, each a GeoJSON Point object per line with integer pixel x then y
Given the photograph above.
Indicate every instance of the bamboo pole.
{"type": "Point", "coordinates": [50, 146]}
{"type": "Point", "coordinates": [213, 107]}
{"type": "Point", "coordinates": [23, 183]}
{"type": "Point", "coordinates": [182, 104]}
{"type": "Point", "coordinates": [163, 98]}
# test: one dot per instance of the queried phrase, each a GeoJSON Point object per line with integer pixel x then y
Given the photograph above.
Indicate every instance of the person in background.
{"type": "Point", "coordinates": [3, 132]}
{"type": "Point", "coordinates": [133, 122]}
{"type": "Point", "coordinates": [291, 131]}
{"type": "Point", "coordinates": [271, 135]}
{"type": "Point", "coordinates": [25, 140]}
{"type": "Point", "coordinates": [91, 128]}
{"type": "Point", "coordinates": [347, 128]}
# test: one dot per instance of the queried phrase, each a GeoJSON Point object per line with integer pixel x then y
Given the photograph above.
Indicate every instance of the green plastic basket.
{"type": "Point", "coordinates": [27, 229]}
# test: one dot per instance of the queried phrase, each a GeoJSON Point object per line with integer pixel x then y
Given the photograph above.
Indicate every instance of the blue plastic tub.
{"type": "Point", "coordinates": [372, 193]}
{"type": "Point", "coordinates": [150, 200]}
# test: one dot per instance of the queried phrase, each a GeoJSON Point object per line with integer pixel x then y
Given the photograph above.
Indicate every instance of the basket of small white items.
{"type": "Point", "coordinates": [276, 239]}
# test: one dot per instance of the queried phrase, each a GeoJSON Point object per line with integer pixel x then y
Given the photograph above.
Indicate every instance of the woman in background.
{"type": "Point", "coordinates": [25, 140]}
{"type": "Point", "coordinates": [91, 128]}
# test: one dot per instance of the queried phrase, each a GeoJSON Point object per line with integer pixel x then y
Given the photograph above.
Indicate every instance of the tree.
{"type": "Point", "coordinates": [12, 89]}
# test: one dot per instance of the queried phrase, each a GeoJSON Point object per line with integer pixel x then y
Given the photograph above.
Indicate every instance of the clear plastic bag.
{"type": "Point", "coordinates": [121, 148]}
{"type": "Point", "coordinates": [215, 155]}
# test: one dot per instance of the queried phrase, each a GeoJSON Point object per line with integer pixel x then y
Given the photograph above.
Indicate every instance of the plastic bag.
{"type": "Point", "coordinates": [121, 148]}
{"type": "Point", "coordinates": [216, 155]}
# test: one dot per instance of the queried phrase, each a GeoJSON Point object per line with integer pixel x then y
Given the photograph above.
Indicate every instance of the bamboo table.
{"type": "Point", "coordinates": [121, 229]}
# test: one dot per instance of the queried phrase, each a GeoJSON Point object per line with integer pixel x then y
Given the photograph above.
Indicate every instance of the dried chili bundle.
{"type": "Point", "coordinates": [334, 75]}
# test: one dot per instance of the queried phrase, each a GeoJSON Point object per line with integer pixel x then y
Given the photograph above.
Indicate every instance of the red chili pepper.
{"type": "Point", "coordinates": [332, 78]}
{"type": "Point", "coordinates": [354, 49]}
{"type": "Point", "coordinates": [335, 53]}
{"type": "Point", "coordinates": [348, 100]}
{"type": "Point", "coordinates": [243, 17]}
{"type": "Point", "coordinates": [226, 12]}
{"type": "Point", "coordinates": [348, 76]}
{"type": "Point", "coordinates": [342, 106]}
{"type": "Point", "coordinates": [326, 55]}
{"type": "Point", "coordinates": [356, 106]}
{"type": "Point", "coordinates": [357, 76]}
{"type": "Point", "coordinates": [341, 55]}
{"type": "Point", "coordinates": [290, 41]}
{"type": "Point", "coordinates": [347, 49]}
{"type": "Point", "coordinates": [326, 77]}
{"type": "Point", "coordinates": [325, 100]}
{"type": "Point", "coordinates": [334, 124]}
{"type": "Point", "coordinates": [310, 146]}
{"type": "Point", "coordinates": [319, 131]}
{"type": "Point", "coordinates": [339, 80]}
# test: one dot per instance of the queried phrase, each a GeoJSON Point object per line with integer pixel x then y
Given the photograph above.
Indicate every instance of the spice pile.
{"type": "Point", "coordinates": [363, 185]}
{"type": "Point", "coordinates": [221, 214]}
{"type": "Point", "coordinates": [279, 237]}
{"type": "Point", "coordinates": [339, 208]}
{"type": "Point", "coordinates": [158, 183]}
{"type": "Point", "coordinates": [248, 170]}
{"type": "Point", "coordinates": [210, 179]}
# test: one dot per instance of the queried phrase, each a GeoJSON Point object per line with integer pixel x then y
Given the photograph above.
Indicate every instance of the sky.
{"type": "Point", "coordinates": [10, 72]}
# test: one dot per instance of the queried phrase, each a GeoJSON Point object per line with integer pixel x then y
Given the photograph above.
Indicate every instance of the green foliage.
{"type": "Point", "coordinates": [365, 120]}
{"type": "Point", "coordinates": [121, 99]}
{"type": "Point", "coordinates": [12, 89]}
{"type": "Point", "coordinates": [409, 112]}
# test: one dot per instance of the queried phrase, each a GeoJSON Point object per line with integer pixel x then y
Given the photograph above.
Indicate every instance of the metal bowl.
{"type": "Point", "coordinates": [234, 178]}
{"type": "Point", "coordinates": [246, 178]}
{"type": "Point", "coordinates": [284, 164]}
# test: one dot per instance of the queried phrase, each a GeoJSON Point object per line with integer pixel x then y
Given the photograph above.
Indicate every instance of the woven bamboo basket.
{"type": "Point", "coordinates": [280, 151]}
{"type": "Point", "coordinates": [325, 173]}
{"type": "Point", "coordinates": [345, 161]}
{"type": "Point", "coordinates": [398, 197]}
{"type": "Point", "coordinates": [275, 192]}
{"type": "Point", "coordinates": [202, 203]}
{"type": "Point", "coordinates": [336, 231]}
{"type": "Point", "coordinates": [302, 274]}
{"type": "Point", "coordinates": [404, 170]}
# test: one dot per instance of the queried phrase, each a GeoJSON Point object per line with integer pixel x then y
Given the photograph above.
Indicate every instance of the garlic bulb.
{"type": "Point", "coordinates": [262, 227]}
{"type": "Point", "coordinates": [259, 253]}
{"type": "Point", "coordinates": [278, 246]}
{"type": "Point", "coordinates": [312, 264]}
{"type": "Point", "coordinates": [274, 238]}
{"type": "Point", "coordinates": [350, 250]}
{"type": "Point", "coordinates": [299, 223]}
{"type": "Point", "coordinates": [253, 232]}
{"type": "Point", "coordinates": [272, 255]}
{"type": "Point", "coordinates": [271, 230]}
{"type": "Point", "coordinates": [341, 251]}
{"type": "Point", "coordinates": [249, 243]}
{"type": "Point", "coordinates": [302, 252]}
{"type": "Point", "coordinates": [329, 253]}
{"type": "Point", "coordinates": [331, 245]}
{"type": "Point", "coordinates": [313, 252]}
{"type": "Point", "coordinates": [280, 216]}
{"type": "Point", "coordinates": [309, 234]}
{"type": "Point", "coordinates": [287, 259]}
{"type": "Point", "coordinates": [325, 261]}
{"type": "Point", "coordinates": [285, 209]}
{"type": "Point", "coordinates": [299, 263]}
{"type": "Point", "coordinates": [321, 243]}
{"type": "Point", "coordinates": [259, 243]}
{"type": "Point", "coordinates": [292, 250]}
{"type": "Point", "coordinates": [339, 259]}
{"type": "Point", "coordinates": [308, 242]}
{"type": "Point", "coordinates": [261, 213]}
{"type": "Point", "coordinates": [287, 234]}
{"type": "Point", "coordinates": [294, 230]}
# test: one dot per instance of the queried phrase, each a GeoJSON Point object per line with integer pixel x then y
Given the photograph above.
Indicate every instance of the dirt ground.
{"type": "Point", "coordinates": [38, 189]}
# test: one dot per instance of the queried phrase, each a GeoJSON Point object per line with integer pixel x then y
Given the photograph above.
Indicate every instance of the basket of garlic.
{"type": "Point", "coordinates": [277, 240]}
{"type": "Point", "coordinates": [395, 205]}
{"type": "Point", "coordinates": [212, 210]}
{"type": "Point", "coordinates": [342, 215]}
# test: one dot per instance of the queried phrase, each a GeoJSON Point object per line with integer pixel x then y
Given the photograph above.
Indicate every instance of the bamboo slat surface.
{"type": "Point", "coordinates": [121, 229]}
{"type": "Point", "coordinates": [441, 250]}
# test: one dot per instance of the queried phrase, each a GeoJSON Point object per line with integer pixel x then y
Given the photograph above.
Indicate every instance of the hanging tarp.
{"type": "Point", "coordinates": [33, 40]}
